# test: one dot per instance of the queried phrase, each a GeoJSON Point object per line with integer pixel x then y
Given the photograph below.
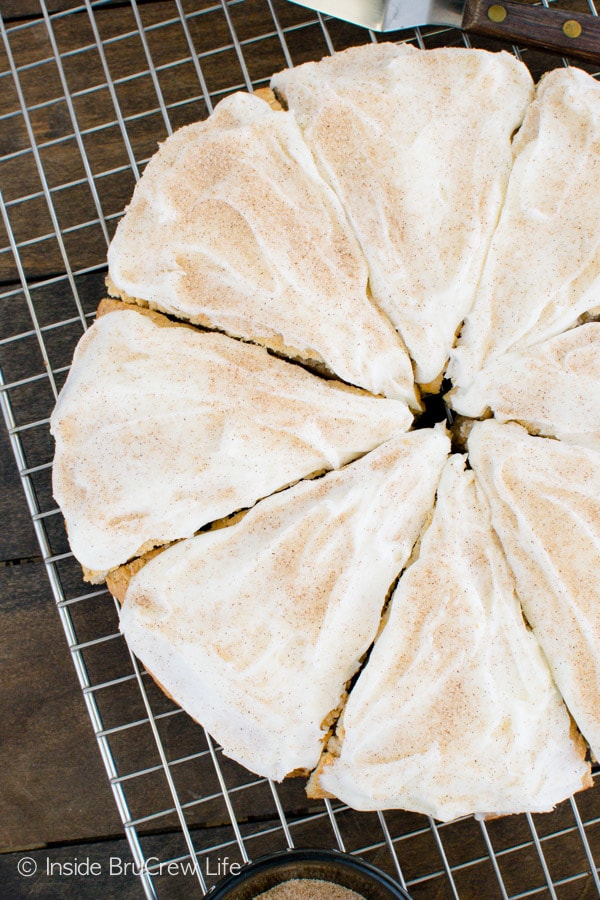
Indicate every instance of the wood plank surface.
{"type": "Point", "coordinates": [52, 781]}
{"type": "Point", "coordinates": [62, 208]}
{"type": "Point", "coordinates": [105, 861]}
{"type": "Point", "coordinates": [17, 538]}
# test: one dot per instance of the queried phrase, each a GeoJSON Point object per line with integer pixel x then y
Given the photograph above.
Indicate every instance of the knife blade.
{"type": "Point", "coordinates": [554, 30]}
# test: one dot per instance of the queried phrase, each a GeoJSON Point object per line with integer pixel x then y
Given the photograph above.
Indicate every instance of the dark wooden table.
{"type": "Point", "coordinates": [78, 121]}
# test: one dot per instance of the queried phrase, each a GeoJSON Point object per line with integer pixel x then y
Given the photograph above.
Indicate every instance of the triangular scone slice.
{"type": "Point", "coordinates": [545, 500]}
{"type": "Point", "coordinates": [257, 628]}
{"type": "Point", "coordinates": [231, 226]}
{"type": "Point", "coordinates": [456, 711]}
{"type": "Point", "coordinates": [543, 269]}
{"type": "Point", "coordinates": [160, 430]}
{"type": "Point", "coordinates": [417, 145]}
{"type": "Point", "coordinates": [552, 388]}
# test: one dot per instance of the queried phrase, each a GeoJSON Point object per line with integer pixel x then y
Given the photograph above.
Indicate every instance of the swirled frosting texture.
{"type": "Point", "coordinates": [545, 501]}
{"type": "Point", "coordinates": [160, 430]}
{"type": "Point", "coordinates": [553, 388]}
{"type": "Point", "coordinates": [418, 147]}
{"type": "Point", "coordinates": [543, 268]}
{"type": "Point", "coordinates": [257, 628]}
{"type": "Point", "coordinates": [456, 711]}
{"type": "Point", "coordinates": [232, 226]}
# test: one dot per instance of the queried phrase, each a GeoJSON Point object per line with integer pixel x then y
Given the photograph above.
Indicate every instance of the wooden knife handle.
{"type": "Point", "coordinates": [554, 30]}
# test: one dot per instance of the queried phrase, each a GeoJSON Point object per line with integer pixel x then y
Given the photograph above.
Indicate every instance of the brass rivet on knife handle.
{"type": "Point", "coordinates": [532, 25]}
{"type": "Point", "coordinates": [572, 28]}
{"type": "Point", "coordinates": [497, 13]}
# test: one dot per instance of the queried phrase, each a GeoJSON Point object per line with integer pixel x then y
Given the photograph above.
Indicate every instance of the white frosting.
{"type": "Point", "coordinates": [552, 388]}
{"type": "Point", "coordinates": [416, 213]}
{"type": "Point", "coordinates": [160, 430]}
{"type": "Point", "coordinates": [417, 145]}
{"type": "Point", "coordinates": [256, 628]}
{"type": "Point", "coordinates": [456, 711]}
{"type": "Point", "coordinates": [543, 269]}
{"type": "Point", "coordinates": [545, 500]}
{"type": "Point", "coordinates": [232, 225]}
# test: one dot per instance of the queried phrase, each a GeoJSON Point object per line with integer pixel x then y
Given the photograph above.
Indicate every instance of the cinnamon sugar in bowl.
{"type": "Point", "coordinates": [309, 875]}
{"type": "Point", "coordinates": [309, 889]}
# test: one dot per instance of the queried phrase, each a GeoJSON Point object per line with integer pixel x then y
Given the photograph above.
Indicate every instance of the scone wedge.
{"type": "Point", "coordinates": [161, 429]}
{"type": "Point", "coordinates": [232, 227]}
{"type": "Point", "coordinates": [543, 269]}
{"type": "Point", "coordinates": [417, 145]}
{"type": "Point", "coordinates": [552, 388]}
{"type": "Point", "coordinates": [456, 711]}
{"type": "Point", "coordinates": [545, 502]}
{"type": "Point", "coordinates": [257, 628]}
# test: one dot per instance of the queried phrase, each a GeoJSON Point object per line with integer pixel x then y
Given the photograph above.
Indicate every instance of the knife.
{"type": "Point", "coordinates": [554, 30]}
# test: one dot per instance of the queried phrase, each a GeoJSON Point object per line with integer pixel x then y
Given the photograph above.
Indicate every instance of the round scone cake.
{"type": "Point", "coordinates": [336, 585]}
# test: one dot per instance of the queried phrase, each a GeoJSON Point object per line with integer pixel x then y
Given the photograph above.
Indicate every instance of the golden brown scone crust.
{"type": "Point", "coordinates": [314, 791]}
{"type": "Point", "coordinates": [266, 94]}
{"type": "Point", "coordinates": [118, 580]}
{"type": "Point", "coordinates": [274, 343]}
{"type": "Point", "coordinates": [111, 304]}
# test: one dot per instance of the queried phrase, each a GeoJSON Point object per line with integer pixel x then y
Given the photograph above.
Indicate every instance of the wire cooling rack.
{"type": "Point", "coordinates": [86, 91]}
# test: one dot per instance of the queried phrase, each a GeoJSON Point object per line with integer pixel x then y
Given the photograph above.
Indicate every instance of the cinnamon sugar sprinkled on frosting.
{"type": "Point", "coordinates": [232, 226]}
{"type": "Point", "coordinates": [418, 147]}
{"type": "Point", "coordinates": [257, 628]}
{"type": "Point", "coordinates": [161, 430]}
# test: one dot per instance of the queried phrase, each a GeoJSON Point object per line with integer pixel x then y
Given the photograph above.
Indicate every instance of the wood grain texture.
{"type": "Point", "coordinates": [535, 26]}
{"type": "Point", "coordinates": [17, 10]}
{"type": "Point", "coordinates": [17, 538]}
{"type": "Point", "coordinates": [48, 881]}
{"type": "Point", "coordinates": [52, 780]}
{"type": "Point", "coordinates": [61, 218]}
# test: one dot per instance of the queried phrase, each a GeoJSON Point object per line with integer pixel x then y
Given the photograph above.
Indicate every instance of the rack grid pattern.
{"type": "Point", "coordinates": [86, 91]}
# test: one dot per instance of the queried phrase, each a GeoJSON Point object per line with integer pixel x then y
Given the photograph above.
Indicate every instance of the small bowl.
{"type": "Point", "coordinates": [324, 865]}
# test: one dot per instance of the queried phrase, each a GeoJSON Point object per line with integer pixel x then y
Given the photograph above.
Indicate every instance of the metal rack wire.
{"type": "Point", "coordinates": [80, 142]}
